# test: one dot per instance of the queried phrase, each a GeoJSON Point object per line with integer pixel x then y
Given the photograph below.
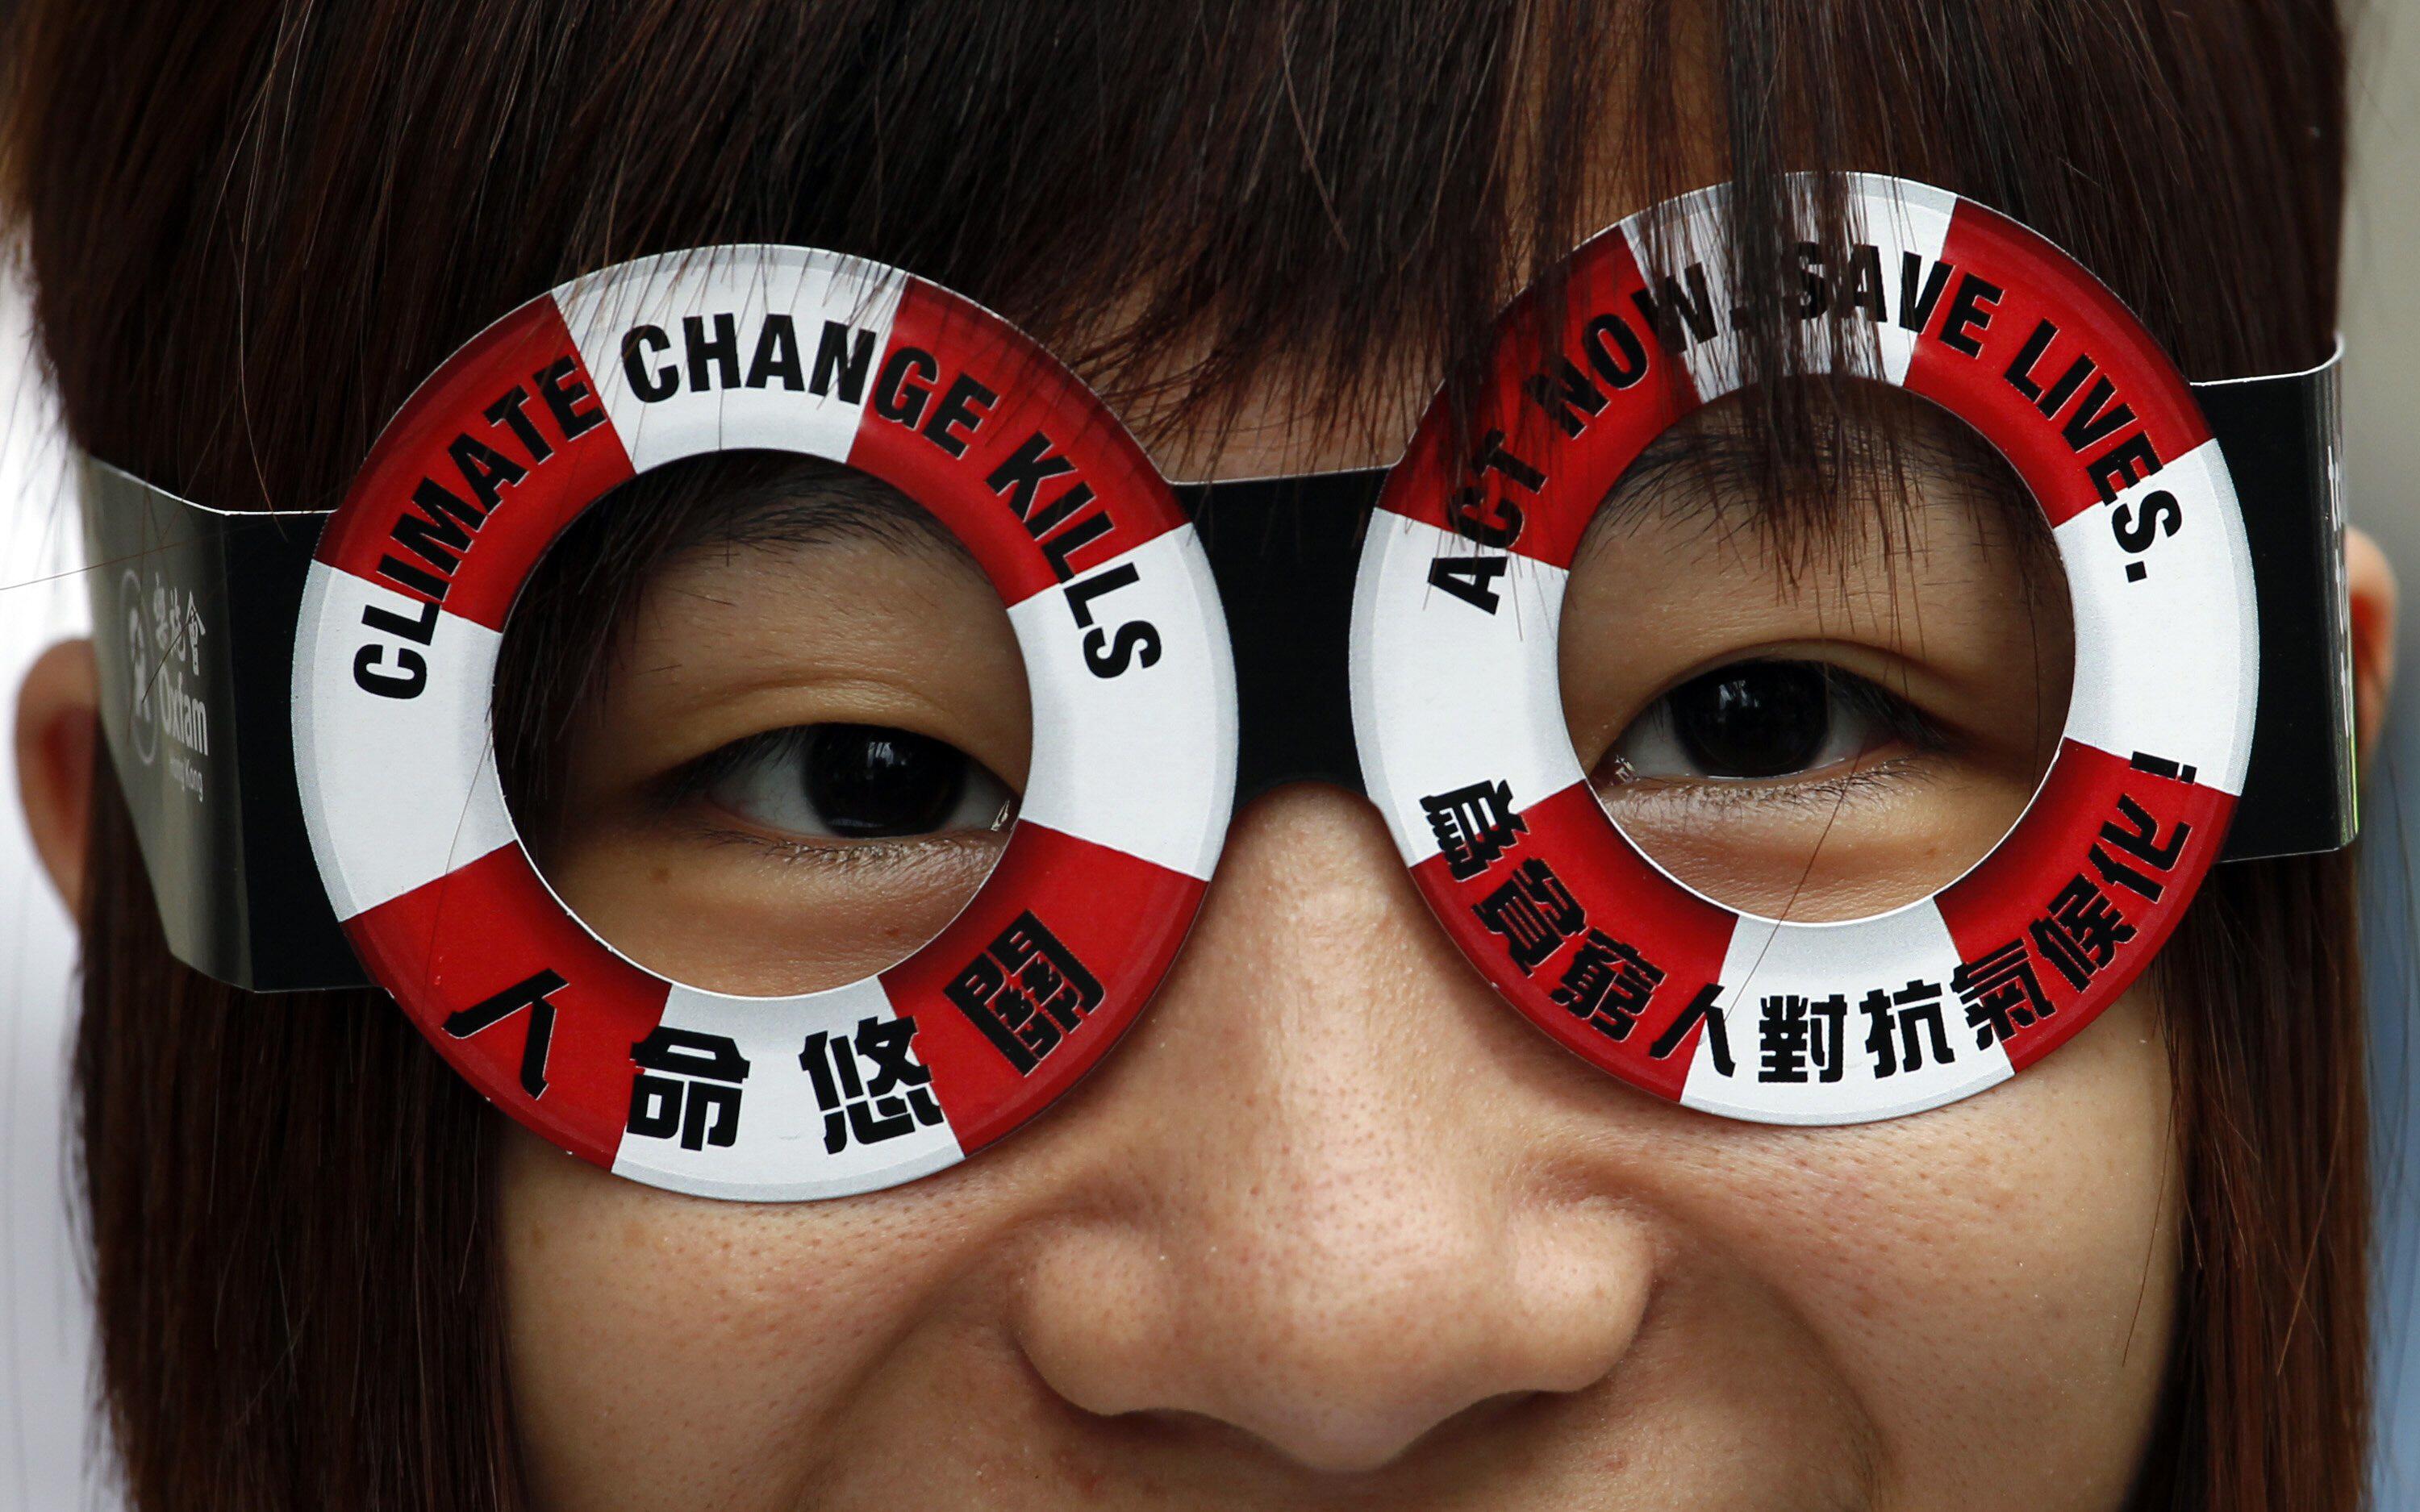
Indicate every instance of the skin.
{"type": "Point", "coordinates": [732, 643]}
{"type": "Point", "coordinates": [1940, 598]}
{"type": "Point", "coordinates": [1333, 1228]}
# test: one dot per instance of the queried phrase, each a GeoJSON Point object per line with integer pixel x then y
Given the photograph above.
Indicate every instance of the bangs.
{"type": "Point", "coordinates": [1311, 206]}
{"type": "Point", "coordinates": [1299, 208]}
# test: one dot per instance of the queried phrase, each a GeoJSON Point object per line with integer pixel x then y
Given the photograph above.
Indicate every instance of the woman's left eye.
{"type": "Point", "coordinates": [853, 782]}
{"type": "Point", "coordinates": [1763, 721]}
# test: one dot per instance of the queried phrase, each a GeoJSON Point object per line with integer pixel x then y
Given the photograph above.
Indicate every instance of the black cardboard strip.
{"type": "Point", "coordinates": [185, 595]}
{"type": "Point", "coordinates": [2283, 440]}
{"type": "Point", "coordinates": [1284, 552]}
{"type": "Point", "coordinates": [193, 615]}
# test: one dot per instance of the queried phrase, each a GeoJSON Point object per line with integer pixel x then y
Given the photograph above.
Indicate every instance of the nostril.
{"type": "Point", "coordinates": [1496, 1420]}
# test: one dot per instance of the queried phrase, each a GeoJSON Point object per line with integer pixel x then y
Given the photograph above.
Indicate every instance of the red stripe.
{"type": "Point", "coordinates": [1579, 470]}
{"type": "Point", "coordinates": [417, 445]}
{"type": "Point", "coordinates": [476, 932]}
{"type": "Point", "coordinates": [2038, 282]}
{"type": "Point", "coordinates": [1998, 901]}
{"type": "Point", "coordinates": [1121, 917]}
{"type": "Point", "coordinates": [943, 457]}
{"type": "Point", "coordinates": [1622, 894]}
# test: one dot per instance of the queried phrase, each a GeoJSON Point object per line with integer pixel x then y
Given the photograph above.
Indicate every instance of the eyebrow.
{"type": "Point", "coordinates": [1706, 473]}
{"type": "Point", "coordinates": [785, 502]}
{"type": "Point", "coordinates": [1727, 458]}
{"type": "Point", "coordinates": [804, 503]}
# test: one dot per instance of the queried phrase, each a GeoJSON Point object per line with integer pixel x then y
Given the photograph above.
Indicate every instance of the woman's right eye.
{"type": "Point", "coordinates": [852, 783]}
{"type": "Point", "coordinates": [1766, 720]}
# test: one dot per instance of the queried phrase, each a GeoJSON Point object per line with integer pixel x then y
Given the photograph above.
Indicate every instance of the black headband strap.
{"type": "Point", "coordinates": [2283, 441]}
{"type": "Point", "coordinates": [194, 611]}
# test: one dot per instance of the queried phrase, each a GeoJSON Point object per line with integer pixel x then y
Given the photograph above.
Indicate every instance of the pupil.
{"type": "Point", "coordinates": [1761, 718]}
{"type": "Point", "coordinates": [869, 782]}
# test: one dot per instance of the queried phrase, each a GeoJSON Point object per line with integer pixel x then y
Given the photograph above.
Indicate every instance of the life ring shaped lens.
{"type": "Point", "coordinates": [1459, 716]}
{"type": "Point", "coordinates": [1127, 656]}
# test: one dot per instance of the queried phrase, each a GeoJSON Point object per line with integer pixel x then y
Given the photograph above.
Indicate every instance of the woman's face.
{"type": "Point", "coordinates": [1333, 1227]}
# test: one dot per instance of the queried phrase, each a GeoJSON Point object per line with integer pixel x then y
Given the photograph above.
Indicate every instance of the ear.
{"type": "Point", "coordinates": [2371, 588]}
{"type": "Point", "coordinates": [58, 719]}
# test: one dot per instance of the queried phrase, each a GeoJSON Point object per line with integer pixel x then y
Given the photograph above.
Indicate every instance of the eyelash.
{"type": "Point", "coordinates": [844, 856]}
{"type": "Point", "coordinates": [1891, 717]}
{"type": "Point", "coordinates": [691, 782]}
{"type": "Point", "coordinates": [693, 789]}
{"type": "Point", "coordinates": [1892, 712]}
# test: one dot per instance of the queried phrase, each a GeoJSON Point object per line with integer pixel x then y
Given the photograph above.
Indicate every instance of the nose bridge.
{"type": "Point", "coordinates": [1331, 1009]}
{"type": "Point", "coordinates": [1284, 552]}
{"type": "Point", "coordinates": [1333, 1245]}
{"type": "Point", "coordinates": [1347, 1023]}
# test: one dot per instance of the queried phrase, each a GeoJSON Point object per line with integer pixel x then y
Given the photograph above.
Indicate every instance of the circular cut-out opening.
{"type": "Point", "coordinates": [762, 723]}
{"type": "Point", "coordinates": [1817, 683]}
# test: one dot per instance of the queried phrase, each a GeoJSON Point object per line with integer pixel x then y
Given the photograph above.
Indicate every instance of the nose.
{"type": "Point", "coordinates": [1328, 1224]}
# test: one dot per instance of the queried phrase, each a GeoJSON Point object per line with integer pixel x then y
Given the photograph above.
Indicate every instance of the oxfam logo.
{"type": "Point", "coordinates": [163, 670]}
{"type": "Point", "coordinates": [142, 716]}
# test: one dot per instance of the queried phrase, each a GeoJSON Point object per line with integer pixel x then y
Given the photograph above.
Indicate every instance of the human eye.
{"type": "Point", "coordinates": [1825, 721]}
{"type": "Point", "coordinates": [1820, 779]}
{"type": "Point", "coordinates": [1768, 722]}
{"type": "Point", "coordinates": [791, 754]}
{"type": "Point", "coordinates": [830, 785]}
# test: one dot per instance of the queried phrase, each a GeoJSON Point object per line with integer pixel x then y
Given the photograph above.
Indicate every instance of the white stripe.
{"type": "Point", "coordinates": [778, 1153]}
{"type": "Point", "coordinates": [746, 284]}
{"type": "Point", "coordinates": [397, 791]}
{"type": "Point", "coordinates": [2169, 664]}
{"type": "Point", "coordinates": [1896, 217]}
{"type": "Point", "coordinates": [1446, 694]}
{"type": "Point", "coordinates": [1889, 952]}
{"type": "Point", "coordinates": [1693, 231]}
{"type": "Point", "coordinates": [1891, 215]}
{"type": "Point", "coordinates": [1142, 761]}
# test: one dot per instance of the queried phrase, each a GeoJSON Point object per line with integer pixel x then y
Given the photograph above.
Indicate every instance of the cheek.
{"type": "Point", "coordinates": [1996, 1278]}
{"type": "Point", "coordinates": [661, 1343]}
{"type": "Point", "coordinates": [727, 918]}
{"type": "Point", "coordinates": [1330, 1194]}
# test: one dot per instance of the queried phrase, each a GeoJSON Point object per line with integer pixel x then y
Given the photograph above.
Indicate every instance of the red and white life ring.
{"type": "Point", "coordinates": [1123, 643]}
{"type": "Point", "coordinates": [1457, 711]}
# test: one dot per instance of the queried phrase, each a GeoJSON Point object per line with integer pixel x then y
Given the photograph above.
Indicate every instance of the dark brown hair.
{"type": "Point", "coordinates": [252, 225]}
